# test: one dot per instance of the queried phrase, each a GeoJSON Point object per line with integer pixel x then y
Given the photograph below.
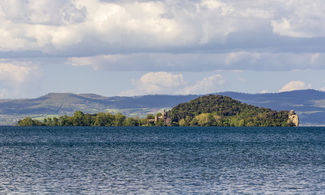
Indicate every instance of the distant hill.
{"type": "Point", "coordinates": [218, 110]}
{"type": "Point", "coordinates": [209, 110]}
{"type": "Point", "coordinates": [309, 104]}
{"type": "Point", "coordinates": [67, 103]}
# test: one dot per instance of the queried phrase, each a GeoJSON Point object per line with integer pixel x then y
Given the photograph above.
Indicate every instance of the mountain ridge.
{"type": "Point", "coordinates": [309, 104]}
{"type": "Point", "coordinates": [209, 110]}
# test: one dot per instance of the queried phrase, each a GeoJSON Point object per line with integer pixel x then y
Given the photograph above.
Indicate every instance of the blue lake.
{"type": "Point", "coordinates": [120, 160]}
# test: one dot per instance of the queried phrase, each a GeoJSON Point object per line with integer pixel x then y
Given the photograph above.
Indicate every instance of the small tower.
{"type": "Point", "coordinates": [156, 118]}
{"type": "Point", "coordinates": [167, 120]}
{"type": "Point", "coordinates": [293, 118]}
{"type": "Point", "coordinates": [164, 115]}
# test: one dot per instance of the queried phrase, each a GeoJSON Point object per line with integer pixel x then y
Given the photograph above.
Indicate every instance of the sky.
{"type": "Point", "coordinates": [127, 48]}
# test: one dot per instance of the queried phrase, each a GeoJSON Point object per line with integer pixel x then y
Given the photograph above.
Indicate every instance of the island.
{"type": "Point", "coordinates": [210, 110]}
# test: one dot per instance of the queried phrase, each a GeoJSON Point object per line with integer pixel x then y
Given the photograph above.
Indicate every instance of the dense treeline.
{"type": "Point", "coordinates": [99, 119]}
{"type": "Point", "coordinates": [215, 110]}
{"type": "Point", "coordinates": [212, 110]}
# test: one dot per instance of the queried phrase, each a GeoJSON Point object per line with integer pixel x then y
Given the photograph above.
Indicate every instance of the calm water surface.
{"type": "Point", "coordinates": [91, 160]}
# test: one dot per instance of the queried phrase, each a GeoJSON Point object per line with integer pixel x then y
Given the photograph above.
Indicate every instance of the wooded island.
{"type": "Point", "coordinates": [211, 110]}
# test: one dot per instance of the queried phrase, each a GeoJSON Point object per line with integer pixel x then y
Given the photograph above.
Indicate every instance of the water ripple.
{"type": "Point", "coordinates": [121, 160]}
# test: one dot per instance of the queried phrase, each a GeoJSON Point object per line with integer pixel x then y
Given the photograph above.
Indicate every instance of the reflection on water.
{"type": "Point", "coordinates": [162, 160]}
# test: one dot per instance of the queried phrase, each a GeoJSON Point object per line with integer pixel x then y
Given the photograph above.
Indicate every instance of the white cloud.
{"type": "Point", "coordinates": [3, 93]}
{"type": "Point", "coordinates": [193, 62]}
{"type": "Point", "coordinates": [240, 57]}
{"type": "Point", "coordinates": [49, 26]}
{"type": "Point", "coordinates": [207, 85]}
{"type": "Point", "coordinates": [314, 58]}
{"type": "Point", "coordinates": [169, 83]}
{"type": "Point", "coordinates": [168, 35]}
{"type": "Point", "coordinates": [301, 19]}
{"type": "Point", "coordinates": [140, 25]}
{"type": "Point", "coordinates": [295, 85]}
{"type": "Point", "coordinates": [46, 26]}
{"type": "Point", "coordinates": [156, 83]}
{"type": "Point", "coordinates": [14, 73]}
{"type": "Point", "coordinates": [322, 89]}
{"type": "Point", "coordinates": [18, 78]}
{"type": "Point", "coordinates": [47, 12]}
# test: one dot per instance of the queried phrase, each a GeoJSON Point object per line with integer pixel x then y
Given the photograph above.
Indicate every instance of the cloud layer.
{"type": "Point", "coordinates": [14, 73]}
{"type": "Point", "coordinates": [156, 83]}
{"type": "Point", "coordinates": [74, 27]}
{"type": "Point", "coordinates": [207, 85]}
{"type": "Point", "coordinates": [194, 62]}
{"type": "Point", "coordinates": [295, 85]}
{"type": "Point", "coordinates": [174, 83]}
{"type": "Point", "coordinates": [161, 38]}
{"type": "Point", "coordinates": [167, 35]}
{"type": "Point", "coordinates": [17, 77]}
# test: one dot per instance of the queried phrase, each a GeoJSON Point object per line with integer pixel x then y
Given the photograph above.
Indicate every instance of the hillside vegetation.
{"type": "Point", "coordinates": [212, 110]}
{"type": "Point", "coordinates": [309, 104]}
{"type": "Point", "coordinates": [99, 119]}
{"type": "Point", "coordinates": [217, 110]}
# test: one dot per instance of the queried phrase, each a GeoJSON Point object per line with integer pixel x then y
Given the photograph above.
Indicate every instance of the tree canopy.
{"type": "Point", "coordinates": [211, 110]}
{"type": "Point", "coordinates": [216, 110]}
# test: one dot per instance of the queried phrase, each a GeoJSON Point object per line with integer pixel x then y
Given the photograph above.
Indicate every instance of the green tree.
{"type": "Point", "coordinates": [104, 119]}
{"type": "Point", "coordinates": [48, 121]}
{"type": "Point", "coordinates": [205, 119]}
{"type": "Point", "coordinates": [194, 122]}
{"type": "Point", "coordinates": [119, 119]}
{"type": "Point", "coordinates": [28, 121]}
{"type": "Point", "coordinates": [65, 121]}
{"type": "Point", "coordinates": [78, 119]}
{"type": "Point", "coordinates": [89, 119]}
{"type": "Point", "coordinates": [144, 122]}
{"type": "Point", "coordinates": [150, 116]}
{"type": "Point", "coordinates": [55, 121]}
{"type": "Point", "coordinates": [182, 123]}
{"type": "Point", "coordinates": [131, 122]}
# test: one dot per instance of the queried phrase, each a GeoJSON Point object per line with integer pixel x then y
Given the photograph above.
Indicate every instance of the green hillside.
{"type": "Point", "coordinates": [216, 110]}
{"type": "Point", "coordinates": [212, 110]}
{"type": "Point", "coordinates": [309, 104]}
{"type": "Point", "coordinates": [59, 104]}
{"type": "Point", "coordinates": [68, 103]}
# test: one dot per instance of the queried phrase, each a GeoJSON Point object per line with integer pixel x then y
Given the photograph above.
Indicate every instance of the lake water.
{"type": "Point", "coordinates": [173, 160]}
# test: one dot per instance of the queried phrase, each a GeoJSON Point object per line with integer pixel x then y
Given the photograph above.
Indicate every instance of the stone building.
{"type": "Point", "coordinates": [163, 117]}
{"type": "Point", "coordinates": [293, 118]}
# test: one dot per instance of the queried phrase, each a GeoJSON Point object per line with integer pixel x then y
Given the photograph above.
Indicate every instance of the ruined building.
{"type": "Point", "coordinates": [163, 117]}
{"type": "Point", "coordinates": [293, 118]}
